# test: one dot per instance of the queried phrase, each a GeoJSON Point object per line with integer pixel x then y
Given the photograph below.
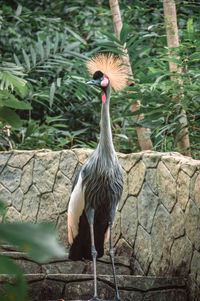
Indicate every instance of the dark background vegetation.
{"type": "Point", "coordinates": [46, 43]}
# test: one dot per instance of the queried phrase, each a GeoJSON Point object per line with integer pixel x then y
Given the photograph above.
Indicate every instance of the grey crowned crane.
{"type": "Point", "coordinates": [98, 185]}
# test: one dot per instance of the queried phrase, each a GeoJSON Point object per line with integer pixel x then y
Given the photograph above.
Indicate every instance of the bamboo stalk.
{"type": "Point", "coordinates": [142, 133]}
{"type": "Point", "coordinates": [173, 42]}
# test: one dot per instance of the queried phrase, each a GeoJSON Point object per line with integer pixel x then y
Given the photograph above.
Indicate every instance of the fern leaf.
{"type": "Point", "coordinates": [33, 55]}
{"type": "Point", "coordinates": [26, 58]}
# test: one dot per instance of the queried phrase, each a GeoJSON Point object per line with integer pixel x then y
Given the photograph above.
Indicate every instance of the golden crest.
{"type": "Point", "coordinates": [111, 66]}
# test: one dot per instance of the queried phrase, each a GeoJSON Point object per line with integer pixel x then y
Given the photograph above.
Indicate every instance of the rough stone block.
{"type": "Point", "coordinates": [48, 208]}
{"type": "Point", "coordinates": [164, 181]}
{"type": "Point", "coordinates": [10, 178]}
{"type": "Point", "coordinates": [17, 199]}
{"type": "Point", "coordinates": [68, 163]}
{"type": "Point", "coordinates": [192, 225]}
{"type": "Point", "coordinates": [30, 205]}
{"type": "Point", "coordinates": [162, 239]}
{"type": "Point", "coordinates": [4, 157]}
{"type": "Point", "coordinates": [142, 249]}
{"type": "Point", "coordinates": [181, 254]}
{"type": "Point", "coordinates": [27, 176]}
{"type": "Point", "coordinates": [45, 169]}
{"type": "Point", "coordinates": [151, 159]}
{"type": "Point", "coordinates": [12, 215]}
{"type": "Point", "coordinates": [136, 178]}
{"type": "Point", "coordinates": [129, 225]}
{"type": "Point", "coordinates": [122, 248]}
{"type": "Point", "coordinates": [178, 221]}
{"type": "Point", "coordinates": [20, 158]}
{"type": "Point", "coordinates": [183, 184]}
{"type": "Point", "coordinates": [62, 191]}
{"type": "Point", "coordinates": [197, 191]}
{"type": "Point", "coordinates": [172, 162]}
{"type": "Point", "coordinates": [151, 179]}
{"type": "Point", "coordinates": [128, 161]}
{"type": "Point", "coordinates": [147, 203]}
{"type": "Point", "coordinates": [5, 195]}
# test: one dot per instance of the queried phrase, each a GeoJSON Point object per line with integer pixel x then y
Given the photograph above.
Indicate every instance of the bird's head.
{"type": "Point", "coordinates": [107, 70]}
{"type": "Point", "coordinates": [100, 80]}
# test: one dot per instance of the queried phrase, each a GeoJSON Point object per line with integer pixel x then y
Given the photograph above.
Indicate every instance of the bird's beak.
{"type": "Point", "coordinates": [94, 83]}
{"type": "Point", "coordinates": [91, 82]}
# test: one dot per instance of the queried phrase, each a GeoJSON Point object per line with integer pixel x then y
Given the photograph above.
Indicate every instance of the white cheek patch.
{"type": "Point", "coordinates": [104, 82]}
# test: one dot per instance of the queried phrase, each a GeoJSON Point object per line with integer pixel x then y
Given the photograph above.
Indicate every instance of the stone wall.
{"type": "Point", "coordinates": [157, 226]}
{"type": "Point", "coordinates": [64, 279]}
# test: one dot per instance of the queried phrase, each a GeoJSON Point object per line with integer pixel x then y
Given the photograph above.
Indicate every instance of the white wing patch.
{"type": "Point", "coordinates": [75, 209]}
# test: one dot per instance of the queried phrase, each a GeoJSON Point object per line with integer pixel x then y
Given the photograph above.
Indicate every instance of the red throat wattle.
{"type": "Point", "coordinates": [103, 98]}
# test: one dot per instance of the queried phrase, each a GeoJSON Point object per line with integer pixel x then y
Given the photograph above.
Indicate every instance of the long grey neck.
{"type": "Point", "coordinates": [106, 147]}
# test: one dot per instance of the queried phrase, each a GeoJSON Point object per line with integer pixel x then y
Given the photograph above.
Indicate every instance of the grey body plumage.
{"type": "Point", "coordinates": [99, 186]}
{"type": "Point", "coordinates": [102, 173]}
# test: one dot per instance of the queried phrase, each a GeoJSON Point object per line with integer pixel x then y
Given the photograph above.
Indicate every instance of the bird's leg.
{"type": "Point", "coordinates": [117, 297]}
{"type": "Point", "coordinates": [90, 216]}
{"type": "Point", "coordinates": [94, 256]}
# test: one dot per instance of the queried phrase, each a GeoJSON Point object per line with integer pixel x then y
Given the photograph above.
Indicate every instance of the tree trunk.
{"type": "Point", "coordinates": [173, 42]}
{"type": "Point", "coordinates": [142, 133]}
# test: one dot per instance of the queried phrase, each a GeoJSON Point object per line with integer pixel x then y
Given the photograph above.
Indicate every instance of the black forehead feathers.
{"type": "Point", "coordinates": [97, 75]}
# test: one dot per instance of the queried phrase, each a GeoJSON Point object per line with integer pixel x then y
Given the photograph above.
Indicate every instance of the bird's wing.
{"type": "Point", "coordinates": [75, 208]}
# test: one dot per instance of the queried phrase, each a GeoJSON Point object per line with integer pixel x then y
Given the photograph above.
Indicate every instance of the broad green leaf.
{"type": "Point", "coordinates": [31, 128]}
{"type": "Point", "coordinates": [56, 42]}
{"type": "Point", "coordinates": [48, 47]}
{"type": "Point", "coordinates": [41, 49]}
{"type": "Point", "coordinates": [58, 82]}
{"type": "Point", "coordinates": [8, 116]}
{"type": "Point", "coordinates": [76, 35]}
{"type": "Point", "coordinates": [131, 40]}
{"type": "Point", "coordinates": [77, 55]}
{"type": "Point", "coordinates": [9, 80]}
{"type": "Point", "coordinates": [190, 27]}
{"type": "Point", "coordinates": [14, 285]}
{"type": "Point", "coordinates": [17, 60]}
{"type": "Point", "coordinates": [71, 46]}
{"type": "Point", "coordinates": [135, 44]}
{"type": "Point", "coordinates": [26, 58]}
{"type": "Point", "coordinates": [52, 92]}
{"type": "Point", "coordinates": [19, 10]}
{"type": "Point", "coordinates": [110, 36]}
{"type": "Point", "coordinates": [38, 240]}
{"type": "Point", "coordinates": [9, 100]}
{"type": "Point", "coordinates": [141, 51]}
{"type": "Point", "coordinates": [62, 45]}
{"type": "Point", "coordinates": [71, 9]}
{"type": "Point", "coordinates": [33, 55]}
{"type": "Point", "coordinates": [195, 56]}
{"type": "Point", "coordinates": [124, 33]}
{"type": "Point", "coordinates": [173, 60]}
{"type": "Point", "coordinates": [157, 81]}
{"type": "Point", "coordinates": [78, 132]}
{"type": "Point", "coordinates": [122, 136]}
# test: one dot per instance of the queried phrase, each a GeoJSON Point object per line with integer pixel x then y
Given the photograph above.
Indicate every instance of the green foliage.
{"type": "Point", "coordinates": [50, 41]}
{"type": "Point", "coordinates": [39, 241]}
{"type": "Point", "coordinates": [11, 81]}
{"type": "Point", "coordinates": [14, 286]}
{"type": "Point", "coordinates": [154, 88]}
